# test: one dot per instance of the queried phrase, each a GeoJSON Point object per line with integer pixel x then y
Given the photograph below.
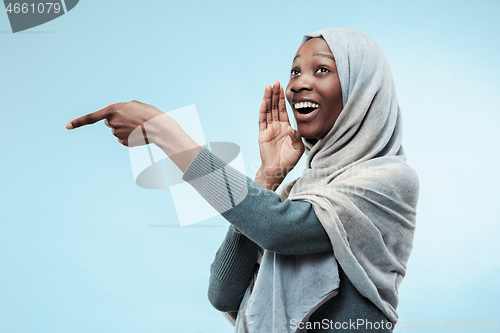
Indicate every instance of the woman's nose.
{"type": "Point", "coordinates": [303, 82]}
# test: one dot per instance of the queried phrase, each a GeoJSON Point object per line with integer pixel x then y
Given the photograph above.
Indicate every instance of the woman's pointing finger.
{"type": "Point", "coordinates": [90, 118]}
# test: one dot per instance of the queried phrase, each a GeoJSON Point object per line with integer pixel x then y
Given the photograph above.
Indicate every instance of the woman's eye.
{"type": "Point", "coordinates": [323, 70]}
{"type": "Point", "coordinates": [294, 72]}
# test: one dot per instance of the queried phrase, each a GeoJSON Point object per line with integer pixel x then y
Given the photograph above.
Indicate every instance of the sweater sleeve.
{"type": "Point", "coordinates": [231, 271]}
{"type": "Point", "coordinates": [288, 227]}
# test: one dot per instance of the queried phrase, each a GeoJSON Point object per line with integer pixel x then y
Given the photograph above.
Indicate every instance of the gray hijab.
{"type": "Point", "coordinates": [362, 191]}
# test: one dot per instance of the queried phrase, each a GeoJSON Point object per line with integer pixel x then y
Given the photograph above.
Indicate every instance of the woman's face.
{"type": "Point", "coordinates": [314, 91]}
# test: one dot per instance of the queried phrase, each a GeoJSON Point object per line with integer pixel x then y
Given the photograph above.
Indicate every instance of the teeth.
{"type": "Point", "coordinates": [301, 105]}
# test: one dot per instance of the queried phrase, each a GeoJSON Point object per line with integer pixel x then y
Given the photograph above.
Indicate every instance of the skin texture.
{"type": "Point", "coordinates": [314, 77]}
{"type": "Point", "coordinates": [280, 145]}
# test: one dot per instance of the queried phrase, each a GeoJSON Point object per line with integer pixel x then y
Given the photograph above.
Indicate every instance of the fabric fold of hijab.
{"type": "Point", "coordinates": [362, 191]}
{"type": "Point", "coordinates": [356, 176]}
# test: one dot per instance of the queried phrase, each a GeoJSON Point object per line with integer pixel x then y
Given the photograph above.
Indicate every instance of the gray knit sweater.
{"type": "Point", "coordinates": [288, 227]}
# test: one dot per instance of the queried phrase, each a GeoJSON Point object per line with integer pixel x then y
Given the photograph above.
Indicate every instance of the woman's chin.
{"type": "Point", "coordinates": [311, 133]}
{"type": "Point", "coordinates": [306, 133]}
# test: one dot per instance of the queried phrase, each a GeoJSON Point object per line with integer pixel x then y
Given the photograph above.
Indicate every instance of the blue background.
{"type": "Point", "coordinates": [83, 249]}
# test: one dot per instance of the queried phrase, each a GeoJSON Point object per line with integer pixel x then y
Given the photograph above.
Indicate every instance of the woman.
{"type": "Point", "coordinates": [355, 204]}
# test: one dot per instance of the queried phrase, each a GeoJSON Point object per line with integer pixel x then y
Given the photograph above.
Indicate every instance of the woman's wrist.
{"type": "Point", "coordinates": [166, 133]}
{"type": "Point", "coordinates": [270, 182]}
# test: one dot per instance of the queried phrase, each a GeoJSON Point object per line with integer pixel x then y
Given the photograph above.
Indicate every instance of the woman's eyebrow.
{"type": "Point", "coordinates": [329, 56]}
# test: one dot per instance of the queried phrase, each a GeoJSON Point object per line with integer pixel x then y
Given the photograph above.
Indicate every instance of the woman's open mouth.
{"type": "Point", "coordinates": [306, 107]}
{"type": "Point", "coordinates": [305, 110]}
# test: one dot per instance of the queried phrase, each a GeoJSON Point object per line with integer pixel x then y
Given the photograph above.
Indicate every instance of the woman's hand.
{"type": "Point", "coordinates": [280, 145]}
{"type": "Point", "coordinates": [123, 118]}
{"type": "Point", "coordinates": [135, 123]}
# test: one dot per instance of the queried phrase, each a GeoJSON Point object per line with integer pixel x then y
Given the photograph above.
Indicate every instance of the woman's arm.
{"type": "Point", "coordinates": [231, 271]}
{"type": "Point", "coordinates": [285, 227]}
{"type": "Point", "coordinates": [288, 227]}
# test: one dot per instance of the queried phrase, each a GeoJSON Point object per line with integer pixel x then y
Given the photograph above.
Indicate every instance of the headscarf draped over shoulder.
{"type": "Point", "coordinates": [356, 178]}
